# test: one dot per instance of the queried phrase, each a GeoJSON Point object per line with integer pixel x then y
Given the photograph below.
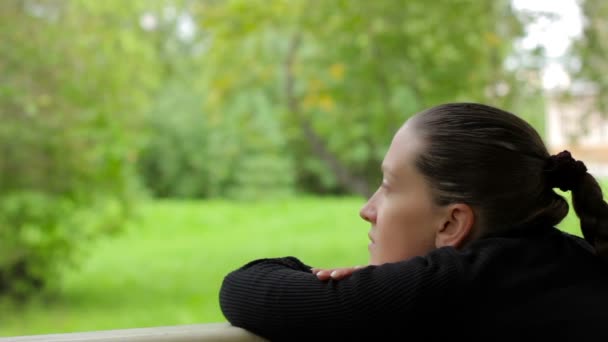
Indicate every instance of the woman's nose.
{"type": "Point", "coordinates": [368, 212]}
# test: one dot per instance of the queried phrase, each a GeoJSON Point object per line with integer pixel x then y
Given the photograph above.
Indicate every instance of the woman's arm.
{"type": "Point", "coordinates": [281, 298]}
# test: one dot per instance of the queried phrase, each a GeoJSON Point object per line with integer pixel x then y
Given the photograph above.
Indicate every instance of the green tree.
{"type": "Point", "coordinates": [173, 159]}
{"type": "Point", "coordinates": [76, 76]}
{"type": "Point", "coordinates": [187, 153]}
{"type": "Point", "coordinates": [588, 58]}
{"type": "Point", "coordinates": [343, 75]}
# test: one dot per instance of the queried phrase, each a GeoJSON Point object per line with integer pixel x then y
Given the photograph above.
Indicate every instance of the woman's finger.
{"type": "Point", "coordinates": [342, 273]}
{"type": "Point", "coordinates": [324, 274]}
{"type": "Point", "coordinates": [334, 273]}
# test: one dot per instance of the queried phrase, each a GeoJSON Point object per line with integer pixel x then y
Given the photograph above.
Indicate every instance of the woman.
{"type": "Point", "coordinates": [462, 244]}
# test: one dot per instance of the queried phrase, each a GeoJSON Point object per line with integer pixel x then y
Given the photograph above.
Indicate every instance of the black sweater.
{"type": "Point", "coordinates": [537, 282]}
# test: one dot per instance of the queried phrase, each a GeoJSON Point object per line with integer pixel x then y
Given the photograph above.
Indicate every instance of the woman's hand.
{"type": "Point", "coordinates": [334, 273]}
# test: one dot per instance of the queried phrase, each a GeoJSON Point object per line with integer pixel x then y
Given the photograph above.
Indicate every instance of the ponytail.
{"type": "Point", "coordinates": [564, 172]}
{"type": "Point", "coordinates": [592, 210]}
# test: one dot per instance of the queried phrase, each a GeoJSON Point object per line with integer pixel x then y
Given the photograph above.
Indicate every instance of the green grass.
{"type": "Point", "coordinates": [168, 268]}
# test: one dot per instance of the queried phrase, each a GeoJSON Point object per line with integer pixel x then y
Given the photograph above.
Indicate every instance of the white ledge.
{"type": "Point", "coordinates": [222, 332]}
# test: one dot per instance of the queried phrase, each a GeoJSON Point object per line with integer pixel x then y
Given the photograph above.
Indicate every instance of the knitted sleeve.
{"type": "Point", "coordinates": [277, 298]}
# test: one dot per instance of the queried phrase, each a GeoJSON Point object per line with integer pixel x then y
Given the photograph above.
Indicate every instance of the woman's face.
{"type": "Point", "coordinates": [403, 215]}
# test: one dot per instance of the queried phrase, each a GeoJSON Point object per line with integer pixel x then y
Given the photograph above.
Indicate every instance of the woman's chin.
{"type": "Point", "coordinates": [371, 247]}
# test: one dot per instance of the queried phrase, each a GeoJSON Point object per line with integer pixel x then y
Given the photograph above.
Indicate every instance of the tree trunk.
{"type": "Point", "coordinates": [344, 177]}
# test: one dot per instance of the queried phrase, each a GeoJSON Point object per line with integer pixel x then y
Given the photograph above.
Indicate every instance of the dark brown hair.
{"type": "Point", "coordinates": [497, 163]}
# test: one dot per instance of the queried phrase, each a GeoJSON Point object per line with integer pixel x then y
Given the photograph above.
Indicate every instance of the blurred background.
{"type": "Point", "coordinates": [149, 147]}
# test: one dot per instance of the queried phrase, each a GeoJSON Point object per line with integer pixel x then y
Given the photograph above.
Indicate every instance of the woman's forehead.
{"type": "Point", "coordinates": [404, 147]}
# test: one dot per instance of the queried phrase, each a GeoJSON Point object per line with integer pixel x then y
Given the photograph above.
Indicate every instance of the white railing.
{"type": "Point", "coordinates": [221, 332]}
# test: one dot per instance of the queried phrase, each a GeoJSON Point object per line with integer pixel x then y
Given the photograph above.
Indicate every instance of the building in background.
{"type": "Point", "coordinates": [574, 125]}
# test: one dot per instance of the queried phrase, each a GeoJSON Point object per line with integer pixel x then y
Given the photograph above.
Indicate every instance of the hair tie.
{"type": "Point", "coordinates": [564, 172]}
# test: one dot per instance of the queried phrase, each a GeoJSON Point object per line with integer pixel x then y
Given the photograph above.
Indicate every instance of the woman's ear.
{"type": "Point", "coordinates": [457, 226]}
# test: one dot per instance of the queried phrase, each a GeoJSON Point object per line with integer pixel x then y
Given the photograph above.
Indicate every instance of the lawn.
{"type": "Point", "coordinates": [168, 267]}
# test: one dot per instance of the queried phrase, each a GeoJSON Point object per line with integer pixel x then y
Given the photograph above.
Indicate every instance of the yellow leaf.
{"type": "Point", "coordinates": [315, 85]}
{"type": "Point", "coordinates": [492, 38]}
{"type": "Point", "coordinates": [309, 101]}
{"type": "Point", "coordinates": [214, 97]}
{"type": "Point", "coordinates": [326, 102]}
{"type": "Point", "coordinates": [336, 71]}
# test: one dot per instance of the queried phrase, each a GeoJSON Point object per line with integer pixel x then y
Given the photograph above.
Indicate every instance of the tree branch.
{"type": "Point", "coordinates": [343, 175]}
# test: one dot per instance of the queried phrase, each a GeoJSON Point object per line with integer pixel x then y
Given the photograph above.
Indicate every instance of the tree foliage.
{"type": "Point", "coordinates": [75, 77]}
{"type": "Point", "coordinates": [234, 98]}
{"type": "Point", "coordinates": [589, 55]}
{"type": "Point", "coordinates": [342, 76]}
